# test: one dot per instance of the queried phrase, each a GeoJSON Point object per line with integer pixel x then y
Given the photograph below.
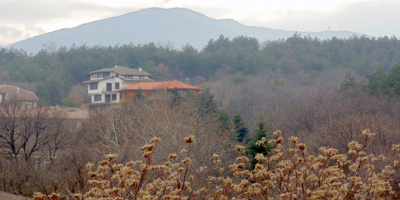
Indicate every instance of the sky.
{"type": "Point", "coordinates": [22, 19]}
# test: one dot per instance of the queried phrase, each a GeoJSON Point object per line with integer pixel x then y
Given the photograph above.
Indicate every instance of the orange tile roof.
{"type": "Point", "coordinates": [160, 85]}
{"type": "Point", "coordinates": [177, 84]}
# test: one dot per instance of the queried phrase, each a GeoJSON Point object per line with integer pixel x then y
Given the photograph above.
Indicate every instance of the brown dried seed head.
{"type": "Point", "coordinates": [189, 139]}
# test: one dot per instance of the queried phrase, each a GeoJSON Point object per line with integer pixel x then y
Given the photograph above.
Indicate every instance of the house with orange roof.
{"type": "Point", "coordinates": [150, 89]}
{"type": "Point", "coordinates": [104, 83]}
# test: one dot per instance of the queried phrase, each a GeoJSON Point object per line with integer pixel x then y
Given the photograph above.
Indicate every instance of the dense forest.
{"type": "Point", "coordinates": [52, 73]}
{"type": "Point", "coordinates": [325, 92]}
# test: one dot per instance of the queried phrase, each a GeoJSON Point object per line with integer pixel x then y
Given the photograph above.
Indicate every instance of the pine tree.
{"type": "Point", "coordinates": [254, 148]}
{"type": "Point", "coordinates": [240, 129]}
{"type": "Point", "coordinates": [349, 82]}
{"type": "Point", "coordinates": [175, 98]}
{"type": "Point", "coordinates": [139, 94]}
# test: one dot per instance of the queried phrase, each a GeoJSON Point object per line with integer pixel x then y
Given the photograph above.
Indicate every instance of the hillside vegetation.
{"type": "Point", "coordinates": [325, 92]}
{"type": "Point", "coordinates": [52, 73]}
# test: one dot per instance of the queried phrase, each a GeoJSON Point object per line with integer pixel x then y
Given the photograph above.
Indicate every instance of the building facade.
{"type": "Point", "coordinates": [104, 83]}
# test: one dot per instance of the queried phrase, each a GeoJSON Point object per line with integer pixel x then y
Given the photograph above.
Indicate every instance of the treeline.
{"type": "Point", "coordinates": [52, 73]}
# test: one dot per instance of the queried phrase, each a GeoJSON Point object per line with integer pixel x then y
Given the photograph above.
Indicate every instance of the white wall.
{"type": "Point", "coordinates": [102, 89]}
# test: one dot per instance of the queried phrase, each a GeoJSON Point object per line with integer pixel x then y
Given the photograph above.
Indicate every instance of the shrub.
{"type": "Point", "coordinates": [288, 172]}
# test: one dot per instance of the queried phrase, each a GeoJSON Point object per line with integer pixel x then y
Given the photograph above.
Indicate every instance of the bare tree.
{"type": "Point", "coordinates": [123, 130]}
{"type": "Point", "coordinates": [26, 130]}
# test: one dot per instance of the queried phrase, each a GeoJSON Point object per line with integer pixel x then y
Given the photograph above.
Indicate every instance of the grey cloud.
{"type": "Point", "coordinates": [375, 18]}
{"type": "Point", "coordinates": [16, 11]}
{"type": "Point", "coordinates": [28, 11]}
{"type": "Point", "coordinates": [8, 34]}
{"type": "Point", "coordinates": [6, 31]}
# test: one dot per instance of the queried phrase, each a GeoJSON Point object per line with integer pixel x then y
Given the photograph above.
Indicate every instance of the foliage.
{"type": "Point", "coordinates": [139, 94]}
{"type": "Point", "coordinates": [386, 83]}
{"type": "Point", "coordinates": [348, 82]}
{"type": "Point", "coordinates": [205, 103]}
{"type": "Point", "coordinates": [175, 98]}
{"type": "Point", "coordinates": [240, 129]}
{"type": "Point", "coordinates": [289, 172]}
{"type": "Point", "coordinates": [55, 72]}
{"type": "Point", "coordinates": [255, 147]}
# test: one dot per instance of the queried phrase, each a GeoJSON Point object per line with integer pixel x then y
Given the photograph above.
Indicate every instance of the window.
{"type": "Point", "coordinates": [109, 86]}
{"type": "Point", "coordinates": [114, 97]}
{"type": "Point", "coordinates": [107, 98]}
{"type": "Point", "coordinates": [97, 97]}
{"type": "Point", "coordinates": [101, 75]}
{"type": "Point", "coordinates": [93, 86]}
{"type": "Point", "coordinates": [116, 86]}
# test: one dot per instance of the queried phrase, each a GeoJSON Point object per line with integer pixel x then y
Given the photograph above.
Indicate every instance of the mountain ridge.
{"type": "Point", "coordinates": [176, 26]}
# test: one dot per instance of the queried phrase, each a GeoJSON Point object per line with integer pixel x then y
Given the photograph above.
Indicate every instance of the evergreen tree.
{"type": "Point", "coordinates": [376, 81]}
{"type": "Point", "coordinates": [255, 148]}
{"type": "Point", "coordinates": [240, 129]}
{"type": "Point", "coordinates": [206, 103]}
{"type": "Point", "coordinates": [175, 98]}
{"type": "Point", "coordinates": [224, 120]}
{"type": "Point", "coordinates": [139, 95]}
{"type": "Point", "coordinates": [349, 82]}
{"type": "Point", "coordinates": [393, 79]}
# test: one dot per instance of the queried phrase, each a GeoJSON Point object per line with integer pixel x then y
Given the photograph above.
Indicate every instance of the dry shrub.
{"type": "Point", "coordinates": [288, 172]}
{"type": "Point", "coordinates": [335, 120]}
{"type": "Point", "coordinates": [122, 131]}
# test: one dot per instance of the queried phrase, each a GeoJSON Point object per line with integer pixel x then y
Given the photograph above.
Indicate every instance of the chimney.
{"type": "Point", "coordinates": [140, 69]}
{"type": "Point", "coordinates": [187, 81]}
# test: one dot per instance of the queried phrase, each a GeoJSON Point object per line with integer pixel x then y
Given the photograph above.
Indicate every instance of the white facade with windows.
{"type": "Point", "coordinates": [104, 83]}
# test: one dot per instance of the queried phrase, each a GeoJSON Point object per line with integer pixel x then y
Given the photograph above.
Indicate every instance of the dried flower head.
{"type": "Point", "coordinates": [240, 148]}
{"type": "Point", "coordinates": [147, 148]}
{"type": "Point", "coordinates": [186, 161]}
{"type": "Point", "coordinates": [111, 157]}
{"type": "Point", "coordinates": [189, 139]}
{"type": "Point", "coordinates": [90, 166]}
{"type": "Point", "coordinates": [302, 147]}
{"type": "Point", "coordinates": [277, 133]}
{"type": "Point", "coordinates": [173, 156]}
{"type": "Point", "coordinates": [293, 139]}
{"type": "Point", "coordinates": [54, 196]}
{"type": "Point", "coordinates": [368, 133]}
{"type": "Point", "coordinates": [155, 140]}
{"type": "Point", "coordinates": [279, 140]}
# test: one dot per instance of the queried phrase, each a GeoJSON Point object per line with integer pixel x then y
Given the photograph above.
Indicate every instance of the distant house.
{"type": "Point", "coordinates": [104, 83]}
{"type": "Point", "coordinates": [151, 89]}
{"type": "Point", "coordinates": [9, 93]}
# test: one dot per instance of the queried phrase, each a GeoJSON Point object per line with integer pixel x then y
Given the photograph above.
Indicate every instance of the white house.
{"type": "Point", "coordinates": [103, 83]}
{"type": "Point", "coordinates": [9, 93]}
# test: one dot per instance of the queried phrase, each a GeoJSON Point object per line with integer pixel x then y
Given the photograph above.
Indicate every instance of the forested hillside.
{"type": "Point", "coordinates": [52, 74]}
{"type": "Point", "coordinates": [325, 92]}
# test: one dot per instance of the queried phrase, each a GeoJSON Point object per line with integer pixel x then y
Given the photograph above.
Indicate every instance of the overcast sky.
{"type": "Point", "coordinates": [21, 19]}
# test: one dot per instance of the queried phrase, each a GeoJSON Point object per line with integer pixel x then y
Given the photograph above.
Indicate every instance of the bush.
{"type": "Point", "coordinates": [289, 172]}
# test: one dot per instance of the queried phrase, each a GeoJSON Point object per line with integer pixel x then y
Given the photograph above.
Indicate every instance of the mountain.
{"type": "Point", "coordinates": [176, 26]}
